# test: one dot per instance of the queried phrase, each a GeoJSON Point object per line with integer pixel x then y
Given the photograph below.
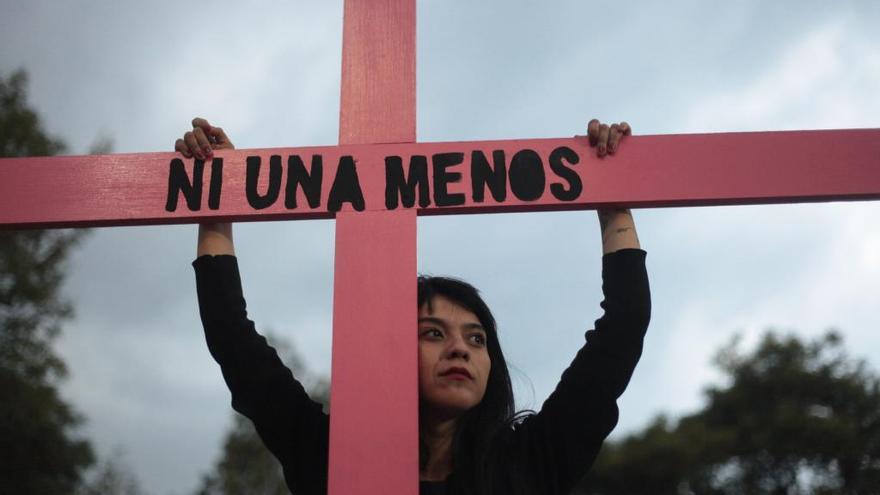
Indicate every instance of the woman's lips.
{"type": "Point", "coordinates": [456, 374]}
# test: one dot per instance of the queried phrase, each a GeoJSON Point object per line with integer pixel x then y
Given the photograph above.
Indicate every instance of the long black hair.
{"type": "Point", "coordinates": [475, 460]}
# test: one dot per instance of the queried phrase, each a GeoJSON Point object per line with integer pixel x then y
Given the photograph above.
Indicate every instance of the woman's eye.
{"type": "Point", "coordinates": [433, 333]}
{"type": "Point", "coordinates": [478, 339]}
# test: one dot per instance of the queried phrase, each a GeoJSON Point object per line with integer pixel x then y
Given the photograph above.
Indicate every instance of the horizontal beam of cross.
{"type": "Point", "coordinates": [440, 178]}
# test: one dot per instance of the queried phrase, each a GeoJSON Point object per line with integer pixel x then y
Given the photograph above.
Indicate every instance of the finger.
{"type": "Point", "coordinates": [614, 136]}
{"type": "Point", "coordinates": [602, 143]}
{"type": "Point", "coordinates": [181, 147]}
{"type": "Point", "coordinates": [193, 144]}
{"type": "Point", "coordinates": [220, 139]}
{"type": "Point", "coordinates": [203, 141]}
{"type": "Point", "coordinates": [625, 129]}
{"type": "Point", "coordinates": [593, 131]}
{"type": "Point", "coordinates": [205, 127]}
{"type": "Point", "coordinates": [202, 124]}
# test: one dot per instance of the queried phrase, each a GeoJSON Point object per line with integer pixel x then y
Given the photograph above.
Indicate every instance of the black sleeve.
{"type": "Point", "coordinates": [561, 442]}
{"type": "Point", "coordinates": [292, 426]}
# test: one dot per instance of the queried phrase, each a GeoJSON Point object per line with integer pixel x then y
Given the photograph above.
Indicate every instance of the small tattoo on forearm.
{"type": "Point", "coordinates": [605, 216]}
{"type": "Point", "coordinates": [618, 231]}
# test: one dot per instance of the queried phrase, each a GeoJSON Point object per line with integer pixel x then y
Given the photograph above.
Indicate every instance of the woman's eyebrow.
{"type": "Point", "coordinates": [443, 323]}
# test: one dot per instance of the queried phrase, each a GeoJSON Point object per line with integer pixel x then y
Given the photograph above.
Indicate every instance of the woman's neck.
{"type": "Point", "coordinates": [438, 436]}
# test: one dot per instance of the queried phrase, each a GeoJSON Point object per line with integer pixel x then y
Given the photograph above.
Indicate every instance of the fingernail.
{"type": "Point", "coordinates": [208, 151]}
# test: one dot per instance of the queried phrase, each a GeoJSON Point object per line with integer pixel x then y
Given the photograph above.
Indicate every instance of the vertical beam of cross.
{"type": "Point", "coordinates": [374, 388]}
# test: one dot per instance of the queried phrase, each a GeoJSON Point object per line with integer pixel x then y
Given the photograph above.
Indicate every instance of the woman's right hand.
{"type": "Point", "coordinates": [202, 140]}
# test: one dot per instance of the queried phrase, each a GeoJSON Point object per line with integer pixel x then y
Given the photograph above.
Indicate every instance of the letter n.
{"type": "Point", "coordinates": [310, 181]}
{"type": "Point", "coordinates": [483, 175]}
{"type": "Point", "coordinates": [180, 183]}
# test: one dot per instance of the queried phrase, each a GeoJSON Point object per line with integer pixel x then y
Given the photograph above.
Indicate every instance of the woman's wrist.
{"type": "Point", "coordinates": [618, 230]}
{"type": "Point", "coordinates": [215, 239]}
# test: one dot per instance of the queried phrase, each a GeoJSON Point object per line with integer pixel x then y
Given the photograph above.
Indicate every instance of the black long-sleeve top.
{"type": "Point", "coordinates": [551, 450]}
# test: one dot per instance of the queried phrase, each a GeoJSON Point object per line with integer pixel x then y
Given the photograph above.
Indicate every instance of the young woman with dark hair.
{"type": "Point", "coordinates": [471, 441]}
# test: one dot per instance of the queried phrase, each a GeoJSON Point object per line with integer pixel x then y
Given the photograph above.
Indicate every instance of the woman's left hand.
{"type": "Point", "coordinates": [607, 138]}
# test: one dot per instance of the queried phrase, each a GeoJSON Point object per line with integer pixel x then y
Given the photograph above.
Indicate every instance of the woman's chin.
{"type": "Point", "coordinates": [449, 406]}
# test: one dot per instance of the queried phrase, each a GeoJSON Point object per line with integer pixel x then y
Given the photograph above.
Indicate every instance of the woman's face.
{"type": "Point", "coordinates": [454, 361]}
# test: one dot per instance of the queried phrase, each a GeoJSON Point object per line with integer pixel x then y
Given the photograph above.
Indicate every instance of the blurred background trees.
{"type": "Point", "coordinates": [42, 452]}
{"type": "Point", "coordinates": [793, 418]}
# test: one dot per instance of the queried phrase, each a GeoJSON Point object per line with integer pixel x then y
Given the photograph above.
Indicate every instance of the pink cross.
{"type": "Point", "coordinates": [378, 179]}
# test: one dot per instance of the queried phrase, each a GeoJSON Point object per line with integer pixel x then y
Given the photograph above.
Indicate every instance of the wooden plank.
{"type": "Point", "coordinates": [648, 171]}
{"type": "Point", "coordinates": [374, 383]}
{"type": "Point", "coordinates": [378, 99]}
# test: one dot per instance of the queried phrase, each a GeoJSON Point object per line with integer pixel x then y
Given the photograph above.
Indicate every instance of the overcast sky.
{"type": "Point", "coordinates": [268, 72]}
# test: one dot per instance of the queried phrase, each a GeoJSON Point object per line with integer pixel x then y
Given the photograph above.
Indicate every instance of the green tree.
{"type": "Point", "coordinates": [245, 466]}
{"type": "Point", "coordinates": [41, 452]}
{"type": "Point", "coordinates": [795, 418]}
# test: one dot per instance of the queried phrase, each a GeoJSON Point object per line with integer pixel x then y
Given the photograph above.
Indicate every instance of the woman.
{"type": "Point", "coordinates": [470, 439]}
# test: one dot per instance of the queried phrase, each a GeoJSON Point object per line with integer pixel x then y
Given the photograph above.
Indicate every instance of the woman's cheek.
{"type": "Point", "coordinates": [426, 364]}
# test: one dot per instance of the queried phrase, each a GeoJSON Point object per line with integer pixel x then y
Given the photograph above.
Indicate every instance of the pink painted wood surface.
{"type": "Point", "coordinates": [374, 380]}
{"type": "Point", "coordinates": [648, 171]}
{"type": "Point", "coordinates": [378, 98]}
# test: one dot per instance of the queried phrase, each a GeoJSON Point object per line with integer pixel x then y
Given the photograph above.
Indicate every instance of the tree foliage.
{"type": "Point", "coordinates": [245, 466]}
{"type": "Point", "coordinates": [21, 133]}
{"type": "Point", "coordinates": [41, 450]}
{"type": "Point", "coordinates": [795, 418]}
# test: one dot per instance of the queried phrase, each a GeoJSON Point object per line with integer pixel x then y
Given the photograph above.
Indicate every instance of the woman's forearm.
{"type": "Point", "coordinates": [214, 239]}
{"type": "Point", "coordinates": [618, 230]}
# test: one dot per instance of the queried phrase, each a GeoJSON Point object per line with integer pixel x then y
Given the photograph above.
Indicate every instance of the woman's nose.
{"type": "Point", "coordinates": [458, 348]}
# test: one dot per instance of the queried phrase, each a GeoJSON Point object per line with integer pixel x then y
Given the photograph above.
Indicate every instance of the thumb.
{"type": "Point", "coordinates": [221, 140]}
